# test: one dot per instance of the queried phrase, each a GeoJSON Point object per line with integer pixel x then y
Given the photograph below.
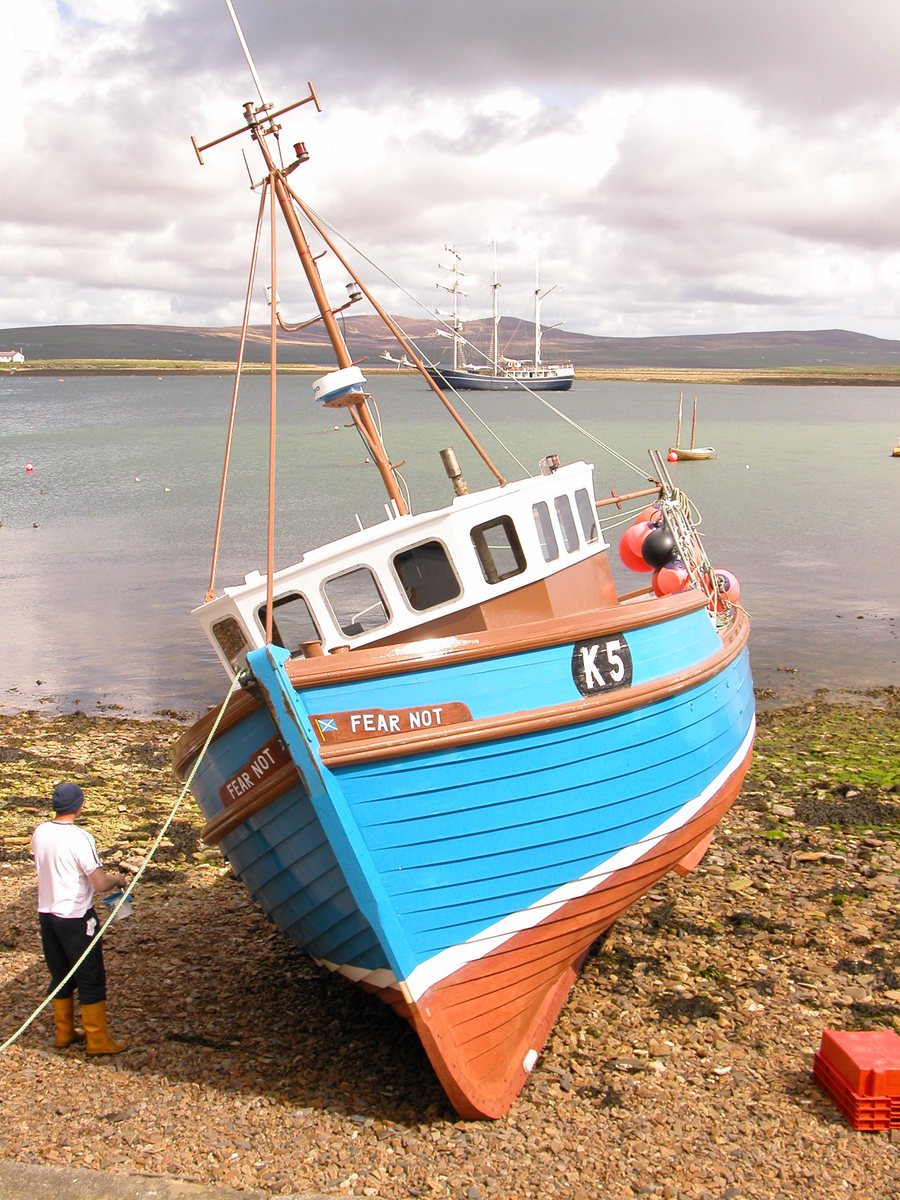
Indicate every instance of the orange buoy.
{"type": "Point", "coordinates": [672, 456]}
{"type": "Point", "coordinates": [29, 468]}
{"type": "Point", "coordinates": [671, 578]}
{"type": "Point", "coordinates": [630, 544]}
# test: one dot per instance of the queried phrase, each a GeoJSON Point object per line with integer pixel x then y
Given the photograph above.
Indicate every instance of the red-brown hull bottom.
{"type": "Point", "coordinates": [483, 1026]}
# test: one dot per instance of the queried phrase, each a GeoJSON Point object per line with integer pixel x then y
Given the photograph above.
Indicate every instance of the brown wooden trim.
{"type": "Point", "coordinates": [192, 740]}
{"type": "Point", "coordinates": [365, 724]}
{"type": "Point", "coordinates": [644, 591]}
{"type": "Point", "coordinates": [560, 716]}
{"type": "Point", "coordinates": [264, 760]}
{"type": "Point", "coordinates": [369, 662]}
{"type": "Point", "coordinates": [556, 717]}
{"type": "Point", "coordinates": [619, 500]}
{"type": "Point", "coordinates": [229, 818]}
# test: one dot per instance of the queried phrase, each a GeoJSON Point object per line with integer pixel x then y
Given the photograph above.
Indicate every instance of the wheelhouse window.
{"type": "Point", "coordinates": [587, 514]}
{"type": "Point", "coordinates": [426, 575]}
{"type": "Point", "coordinates": [232, 641]}
{"type": "Point", "coordinates": [566, 520]}
{"type": "Point", "coordinates": [292, 622]}
{"type": "Point", "coordinates": [356, 601]}
{"type": "Point", "coordinates": [545, 531]}
{"type": "Point", "coordinates": [499, 550]}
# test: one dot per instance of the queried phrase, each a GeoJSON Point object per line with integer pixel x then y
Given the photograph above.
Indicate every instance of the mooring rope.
{"type": "Point", "coordinates": [130, 888]}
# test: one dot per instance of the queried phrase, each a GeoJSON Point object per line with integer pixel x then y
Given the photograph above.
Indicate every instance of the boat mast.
{"type": "Point", "coordinates": [455, 292]}
{"type": "Point", "coordinates": [261, 124]}
{"type": "Point", "coordinates": [359, 411]}
{"type": "Point", "coordinates": [678, 431]}
{"type": "Point", "coordinates": [495, 321]}
{"type": "Point", "coordinates": [537, 313]}
{"type": "Point", "coordinates": [538, 297]}
{"type": "Point", "coordinates": [694, 423]}
{"type": "Point", "coordinates": [398, 333]}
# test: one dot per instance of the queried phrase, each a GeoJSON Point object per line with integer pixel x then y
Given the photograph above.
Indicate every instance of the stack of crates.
{"type": "Point", "coordinates": [861, 1072]}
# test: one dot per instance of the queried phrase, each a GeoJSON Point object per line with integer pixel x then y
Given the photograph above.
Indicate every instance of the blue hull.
{"type": "Point", "coordinates": [406, 870]}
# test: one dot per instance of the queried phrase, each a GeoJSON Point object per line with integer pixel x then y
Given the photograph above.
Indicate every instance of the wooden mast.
{"type": "Point", "coordinates": [399, 335]}
{"type": "Point", "coordinates": [260, 122]}
{"type": "Point", "coordinates": [359, 410]}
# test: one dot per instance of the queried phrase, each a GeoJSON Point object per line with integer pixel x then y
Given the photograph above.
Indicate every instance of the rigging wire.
{"type": "Point", "coordinates": [626, 462]}
{"type": "Point", "coordinates": [245, 321]}
{"type": "Point", "coordinates": [494, 434]}
{"type": "Point", "coordinates": [327, 224]}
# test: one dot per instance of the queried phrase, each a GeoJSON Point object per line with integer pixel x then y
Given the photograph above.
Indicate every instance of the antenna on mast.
{"type": "Point", "coordinates": [246, 50]}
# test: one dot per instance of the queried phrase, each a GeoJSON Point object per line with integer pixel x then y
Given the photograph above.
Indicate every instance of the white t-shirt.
{"type": "Point", "coordinates": [64, 855]}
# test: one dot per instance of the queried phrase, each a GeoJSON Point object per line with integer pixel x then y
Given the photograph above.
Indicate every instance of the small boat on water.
{"type": "Point", "coordinates": [497, 373]}
{"type": "Point", "coordinates": [452, 752]}
{"type": "Point", "coordinates": [895, 453]}
{"type": "Point", "coordinates": [692, 453]}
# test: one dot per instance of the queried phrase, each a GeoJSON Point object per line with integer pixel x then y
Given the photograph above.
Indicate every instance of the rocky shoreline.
{"type": "Point", "coordinates": [800, 376]}
{"type": "Point", "coordinates": [679, 1068]}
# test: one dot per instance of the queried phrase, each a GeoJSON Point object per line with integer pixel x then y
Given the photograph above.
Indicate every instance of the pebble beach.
{"type": "Point", "coordinates": [679, 1068]}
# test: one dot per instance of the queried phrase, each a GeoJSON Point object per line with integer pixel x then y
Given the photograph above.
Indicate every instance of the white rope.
{"type": "Point", "coordinates": [126, 894]}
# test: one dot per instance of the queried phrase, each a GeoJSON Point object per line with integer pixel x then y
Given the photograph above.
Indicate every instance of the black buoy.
{"type": "Point", "coordinates": [658, 547]}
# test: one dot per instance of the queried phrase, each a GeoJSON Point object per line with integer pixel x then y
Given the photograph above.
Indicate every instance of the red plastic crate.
{"type": "Point", "coordinates": [860, 1070]}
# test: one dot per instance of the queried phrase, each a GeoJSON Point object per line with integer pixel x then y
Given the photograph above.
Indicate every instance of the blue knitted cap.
{"type": "Point", "coordinates": [67, 798]}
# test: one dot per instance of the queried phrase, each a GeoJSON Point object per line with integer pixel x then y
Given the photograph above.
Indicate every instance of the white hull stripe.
{"type": "Point", "coordinates": [380, 977]}
{"type": "Point", "coordinates": [448, 961]}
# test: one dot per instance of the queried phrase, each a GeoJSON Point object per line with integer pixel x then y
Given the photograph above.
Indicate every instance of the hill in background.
{"type": "Point", "coordinates": [368, 339]}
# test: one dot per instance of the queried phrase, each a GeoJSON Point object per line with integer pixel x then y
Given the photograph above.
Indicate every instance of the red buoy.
{"type": "Point", "coordinates": [29, 467]}
{"type": "Point", "coordinates": [671, 578]}
{"type": "Point", "coordinates": [672, 456]}
{"type": "Point", "coordinates": [630, 544]}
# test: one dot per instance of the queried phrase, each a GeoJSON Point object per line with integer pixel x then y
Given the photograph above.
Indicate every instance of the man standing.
{"type": "Point", "coordinates": [69, 873]}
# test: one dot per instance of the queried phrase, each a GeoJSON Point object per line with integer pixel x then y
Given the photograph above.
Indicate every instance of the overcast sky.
{"type": "Point", "coordinates": [682, 166]}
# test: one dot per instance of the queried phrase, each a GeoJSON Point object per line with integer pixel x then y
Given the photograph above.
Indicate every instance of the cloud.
{"type": "Point", "coordinates": [689, 167]}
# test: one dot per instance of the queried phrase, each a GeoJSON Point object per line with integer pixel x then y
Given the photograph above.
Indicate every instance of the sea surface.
{"type": "Point", "coordinates": [106, 543]}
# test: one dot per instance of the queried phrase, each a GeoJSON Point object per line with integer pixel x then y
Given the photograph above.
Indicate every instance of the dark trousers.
{"type": "Point", "coordinates": [64, 940]}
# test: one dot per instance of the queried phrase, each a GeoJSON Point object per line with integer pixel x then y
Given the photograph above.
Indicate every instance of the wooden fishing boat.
{"type": "Point", "coordinates": [895, 453]}
{"type": "Point", "coordinates": [692, 453]}
{"type": "Point", "coordinates": [452, 753]}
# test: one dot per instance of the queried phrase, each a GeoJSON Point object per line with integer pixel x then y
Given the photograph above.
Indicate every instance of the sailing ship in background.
{"type": "Point", "coordinates": [497, 372]}
{"type": "Point", "coordinates": [452, 753]}
{"type": "Point", "coordinates": [692, 453]}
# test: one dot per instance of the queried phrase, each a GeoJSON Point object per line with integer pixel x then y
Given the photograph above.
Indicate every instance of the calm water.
{"type": "Point", "coordinates": [105, 546]}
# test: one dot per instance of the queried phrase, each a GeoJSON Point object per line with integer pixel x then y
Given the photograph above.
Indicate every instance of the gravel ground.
{"type": "Point", "coordinates": [680, 1067]}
